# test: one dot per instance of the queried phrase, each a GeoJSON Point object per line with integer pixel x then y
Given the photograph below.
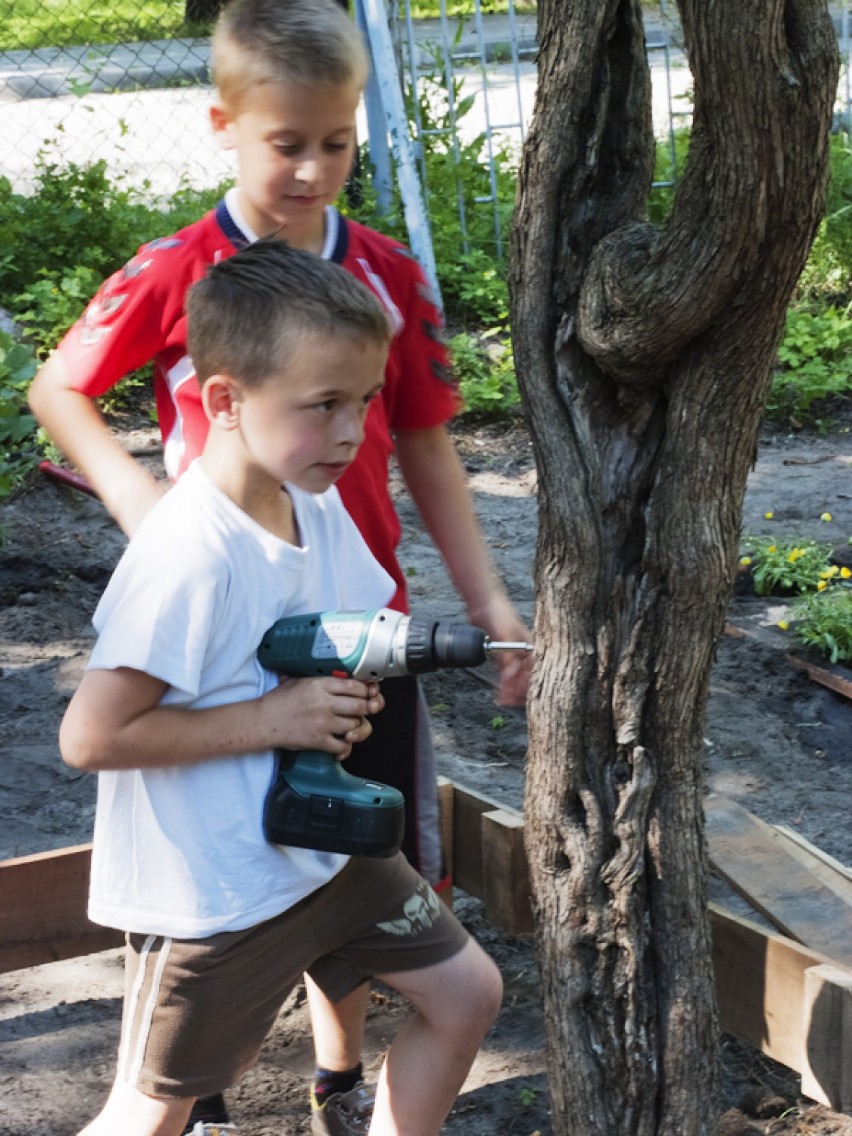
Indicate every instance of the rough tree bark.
{"type": "Point", "coordinates": [644, 358]}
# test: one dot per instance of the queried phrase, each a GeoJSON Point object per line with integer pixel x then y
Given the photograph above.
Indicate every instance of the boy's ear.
{"type": "Point", "coordinates": [221, 398]}
{"type": "Point", "coordinates": [221, 122]}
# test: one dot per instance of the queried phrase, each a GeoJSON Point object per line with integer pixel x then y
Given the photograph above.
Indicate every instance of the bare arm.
{"type": "Point", "coordinates": [115, 721]}
{"type": "Point", "coordinates": [437, 482]}
{"type": "Point", "coordinates": [76, 426]}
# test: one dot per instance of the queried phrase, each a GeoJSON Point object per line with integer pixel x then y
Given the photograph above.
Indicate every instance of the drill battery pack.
{"type": "Point", "coordinates": [331, 811]}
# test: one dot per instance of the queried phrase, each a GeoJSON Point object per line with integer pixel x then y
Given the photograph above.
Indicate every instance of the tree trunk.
{"type": "Point", "coordinates": [644, 357]}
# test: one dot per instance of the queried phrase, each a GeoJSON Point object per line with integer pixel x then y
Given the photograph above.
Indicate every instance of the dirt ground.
{"type": "Point", "coordinates": [775, 741]}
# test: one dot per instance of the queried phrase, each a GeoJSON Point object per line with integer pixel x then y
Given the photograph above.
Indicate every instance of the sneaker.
{"type": "Point", "coordinates": [345, 1114]}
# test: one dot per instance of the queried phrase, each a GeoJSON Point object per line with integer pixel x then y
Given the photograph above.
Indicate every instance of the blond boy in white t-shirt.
{"type": "Point", "coordinates": [174, 710]}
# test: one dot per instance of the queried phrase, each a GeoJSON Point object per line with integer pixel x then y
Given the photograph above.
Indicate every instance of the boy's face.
{"type": "Point", "coordinates": [305, 426]}
{"type": "Point", "coordinates": [294, 146]}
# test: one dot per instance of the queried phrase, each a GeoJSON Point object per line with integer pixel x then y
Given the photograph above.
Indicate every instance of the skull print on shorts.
{"type": "Point", "coordinates": [418, 913]}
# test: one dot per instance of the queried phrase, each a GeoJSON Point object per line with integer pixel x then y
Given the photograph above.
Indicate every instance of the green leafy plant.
{"type": "Point", "coordinates": [485, 372]}
{"type": "Point", "coordinates": [78, 220]}
{"type": "Point", "coordinates": [826, 276]}
{"type": "Point", "coordinates": [823, 622]}
{"type": "Point", "coordinates": [815, 359]}
{"type": "Point", "coordinates": [785, 566]}
{"type": "Point", "coordinates": [18, 447]}
{"type": "Point", "coordinates": [75, 217]}
{"type": "Point", "coordinates": [528, 1095]}
{"type": "Point", "coordinates": [49, 306]}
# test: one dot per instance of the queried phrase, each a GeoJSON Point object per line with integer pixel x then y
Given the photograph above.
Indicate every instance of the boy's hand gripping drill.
{"type": "Point", "coordinates": [313, 802]}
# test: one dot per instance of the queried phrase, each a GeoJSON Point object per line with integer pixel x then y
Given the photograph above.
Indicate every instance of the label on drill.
{"type": "Point", "coordinates": [336, 640]}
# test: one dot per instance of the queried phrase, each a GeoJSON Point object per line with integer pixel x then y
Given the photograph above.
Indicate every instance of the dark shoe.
{"type": "Point", "coordinates": [345, 1114]}
{"type": "Point", "coordinates": [209, 1117]}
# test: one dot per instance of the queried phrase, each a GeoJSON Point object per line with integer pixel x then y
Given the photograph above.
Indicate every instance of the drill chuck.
{"type": "Point", "coordinates": [432, 646]}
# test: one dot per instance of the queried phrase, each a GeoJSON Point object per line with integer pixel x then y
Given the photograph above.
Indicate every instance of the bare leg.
{"type": "Point", "coordinates": [338, 1027]}
{"type": "Point", "coordinates": [134, 1114]}
{"type": "Point", "coordinates": [455, 1002]}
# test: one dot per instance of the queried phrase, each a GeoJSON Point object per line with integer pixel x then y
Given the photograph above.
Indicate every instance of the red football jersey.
{"type": "Point", "coordinates": [138, 317]}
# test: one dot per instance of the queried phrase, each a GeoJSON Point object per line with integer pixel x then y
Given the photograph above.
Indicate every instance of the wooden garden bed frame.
{"type": "Point", "coordinates": [779, 996]}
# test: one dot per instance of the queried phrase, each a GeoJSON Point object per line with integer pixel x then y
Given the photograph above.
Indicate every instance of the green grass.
{"type": "Point", "coordinates": [63, 23]}
{"type": "Point", "coordinates": [431, 10]}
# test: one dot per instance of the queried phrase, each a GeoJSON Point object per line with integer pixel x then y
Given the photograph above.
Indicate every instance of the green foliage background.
{"type": "Point", "coordinates": [79, 225]}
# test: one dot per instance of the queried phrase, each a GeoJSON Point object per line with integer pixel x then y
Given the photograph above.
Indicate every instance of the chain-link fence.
{"type": "Point", "coordinates": [129, 84]}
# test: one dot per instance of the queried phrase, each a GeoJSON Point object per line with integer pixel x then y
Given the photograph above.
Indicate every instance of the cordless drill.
{"type": "Point", "coordinates": [313, 802]}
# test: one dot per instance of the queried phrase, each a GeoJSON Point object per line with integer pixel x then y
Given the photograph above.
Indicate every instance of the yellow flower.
{"type": "Point", "coordinates": [822, 585]}
{"type": "Point", "coordinates": [845, 573]}
{"type": "Point", "coordinates": [768, 516]}
{"type": "Point", "coordinates": [783, 624]}
{"type": "Point", "coordinates": [825, 516]}
{"type": "Point", "coordinates": [772, 548]}
{"type": "Point", "coordinates": [745, 561]}
{"type": "Point", "coordinates": [794, 555]}
{"type": "Point", "coordinates": [829, 573]}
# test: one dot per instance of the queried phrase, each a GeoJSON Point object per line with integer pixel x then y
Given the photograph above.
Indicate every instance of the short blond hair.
{"type": "Point", "coordinates": [310, 42]}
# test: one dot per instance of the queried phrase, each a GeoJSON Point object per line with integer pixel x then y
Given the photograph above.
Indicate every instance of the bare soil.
{"type": "Point", "coordinates": [775, 741]}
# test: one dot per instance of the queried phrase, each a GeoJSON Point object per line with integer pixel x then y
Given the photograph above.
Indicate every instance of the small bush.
{"type": "Point", "coordinates": [18, 448]}
{"type": "Point", "coordinates": [826, 277]}
{"type": "Point", "coordinates": [815, 359]}
{"type": "Point", "coordinates": [785, 566]}
{"type": "Point", "coordinates": [76, 217]}
{"type": "Point", "coordinates": [485, 371]}
{"type": "Point", "coordinates": [823, 622]}
{"type": "Point", "coordinates": [52, 303]}
{"type": "Point", "coordinates": [75, 229]}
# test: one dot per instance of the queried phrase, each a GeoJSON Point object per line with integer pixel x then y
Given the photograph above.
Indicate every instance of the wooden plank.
{"type": "Point", "coordinates": [760, 987]}
{"type": "Point", "coordinates": [831, 680]}
{"type": "Point", "coordinates": [445, 806]}
{"type": "Point", "coordinates": [756, 861]}
{"type": "Point", "coordinates": [828, 870]}
{"type": "Point", "coordinates": [468, 808]}
{"type": "Point", "coordinates": [827, 1024]}
{"type": "Point", "coordinates": [792, 834]}
{"type": "Point", "coordinates": [43, 909]}
{"type": "Point", "coordinates": [504, 872]}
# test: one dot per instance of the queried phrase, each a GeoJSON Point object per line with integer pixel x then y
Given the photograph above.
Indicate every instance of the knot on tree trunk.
{"type": "Point", "coordinates": [634, 315]}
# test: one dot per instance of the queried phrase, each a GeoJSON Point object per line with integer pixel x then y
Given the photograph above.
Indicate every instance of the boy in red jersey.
{"type": "Point", "coordinates": [289, 75]}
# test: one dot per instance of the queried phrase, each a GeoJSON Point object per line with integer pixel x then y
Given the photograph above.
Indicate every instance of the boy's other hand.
{"type": "Point", "coordinates": [498, 618]}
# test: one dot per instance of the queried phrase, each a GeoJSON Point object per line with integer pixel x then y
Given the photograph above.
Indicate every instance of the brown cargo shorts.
{"type": "Point", "coordinates": [196, 1011]}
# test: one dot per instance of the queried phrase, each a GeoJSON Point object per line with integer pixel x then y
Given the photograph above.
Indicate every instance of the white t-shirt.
{"type": "Point", "coordinates": [179, 850]}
